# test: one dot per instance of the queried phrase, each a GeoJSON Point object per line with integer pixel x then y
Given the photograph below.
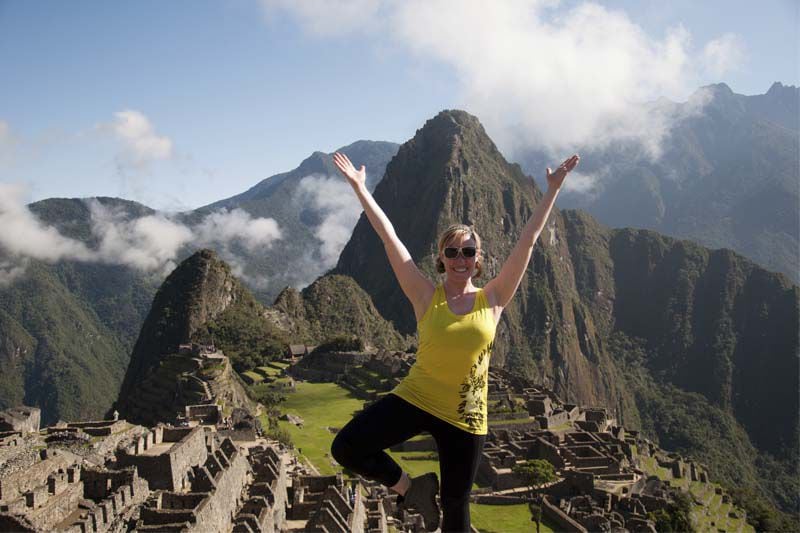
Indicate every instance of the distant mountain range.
{"type": "Point", "coordinates": [728, 177]}
{"type": "Point", "coordinates": [67, 329]}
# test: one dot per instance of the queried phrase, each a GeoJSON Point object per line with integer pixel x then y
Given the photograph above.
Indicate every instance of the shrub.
{"type": "Point", "coordinates": [341, 343]}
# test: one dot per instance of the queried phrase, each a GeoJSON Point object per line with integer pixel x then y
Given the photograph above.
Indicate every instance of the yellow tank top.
{"type": "Point", "coordinates": [450, 376]}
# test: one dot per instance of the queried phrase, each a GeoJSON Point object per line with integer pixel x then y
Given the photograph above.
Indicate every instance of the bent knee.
{"type": "Point", "coordinates": [342, 450]}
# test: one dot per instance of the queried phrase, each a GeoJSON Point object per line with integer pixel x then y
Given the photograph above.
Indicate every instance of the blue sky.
{"type": "Point", "coordinates": [178, 104]}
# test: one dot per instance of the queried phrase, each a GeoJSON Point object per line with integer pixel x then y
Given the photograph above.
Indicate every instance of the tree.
{"type": "Point", "coordinates": [535, 473]}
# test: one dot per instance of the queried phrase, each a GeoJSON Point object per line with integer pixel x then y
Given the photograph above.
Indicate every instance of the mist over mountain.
{"type": "Point", "coordinates": [67, 329]}
{"type": "Point", "coordinates": [315, 211]}
{"type": "Point", "coordinates": [728, 176]}
{"type": "Point", "coordinates": [102, 260]}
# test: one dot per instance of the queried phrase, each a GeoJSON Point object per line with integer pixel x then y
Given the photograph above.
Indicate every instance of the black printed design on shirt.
{"type": "Point", "coordinates": [472, 409]}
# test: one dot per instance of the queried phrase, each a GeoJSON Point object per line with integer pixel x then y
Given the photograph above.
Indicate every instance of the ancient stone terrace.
{"type": "Point", "coordinates": [328, 504]}
{"type": "Point", "coordinates": [327, 367]}
{"type": "Point", "coordinates": [265, 509]}
{"type": "Point", "coordinates": [45, 492]}
{"type": "Point", "coordinates": [211, 499]}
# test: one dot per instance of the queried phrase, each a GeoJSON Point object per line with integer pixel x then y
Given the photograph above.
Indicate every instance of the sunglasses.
{"type": "Point", "coordinates": [466, 251]}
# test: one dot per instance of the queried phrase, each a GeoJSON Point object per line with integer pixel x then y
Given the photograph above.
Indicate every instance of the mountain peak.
{"type": "Point", "coordinates": [780, 90]}
{"type": "Point", "coordinates": [198, 290]}
{"type": "Point", "coordinates": [719, 92]}
{"type": "Point", "coordinates": [449, 172]}
{"type": "Point", "coordinates": [448, 125]}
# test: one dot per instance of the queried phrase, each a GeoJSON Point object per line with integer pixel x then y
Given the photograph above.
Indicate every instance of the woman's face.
{"type": "Point", "coordinates": [459, 267]}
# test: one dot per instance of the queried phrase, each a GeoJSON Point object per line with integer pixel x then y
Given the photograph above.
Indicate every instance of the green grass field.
{"type": "Point", "coordinates": [324, 405]}
{"type": "Point", "coordinates": [255, 377]}
{"type": "Point", "coordinates": [505, 519]}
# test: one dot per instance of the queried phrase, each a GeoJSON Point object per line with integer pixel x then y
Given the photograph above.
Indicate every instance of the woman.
{"type": "Point", "coordinates": [446, 389]}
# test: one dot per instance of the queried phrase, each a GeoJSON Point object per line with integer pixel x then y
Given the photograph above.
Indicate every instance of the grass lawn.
{"type": "Point", "coordinates": [320, 405]}
{"type": "Point", "coordinates": [505, 519]}
{"type": "Point", "coordinates": [254, 376]}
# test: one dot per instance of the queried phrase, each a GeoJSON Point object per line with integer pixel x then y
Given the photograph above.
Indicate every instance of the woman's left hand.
{"type": "Point", "coordinates": [556, 179]}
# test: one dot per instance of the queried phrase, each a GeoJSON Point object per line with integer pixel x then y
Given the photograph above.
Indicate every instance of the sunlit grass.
{"type": "Point", "coordinates": [505, 519]}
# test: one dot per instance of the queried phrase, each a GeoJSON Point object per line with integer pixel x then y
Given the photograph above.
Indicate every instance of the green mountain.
{"type": "Point", "coordinates": [66, 330]}
{"type": "Point", "coordinates": [727, 178]}
{"type": "Point", "coordinates": [334, 305]}
{"type": "Point", "coordinates": [201, 302]}
{"type": "Point", "coordinates": [709, 326]}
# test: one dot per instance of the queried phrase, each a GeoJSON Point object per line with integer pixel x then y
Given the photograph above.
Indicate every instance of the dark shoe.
{"type": "Point", "coordinates": [421, 497]}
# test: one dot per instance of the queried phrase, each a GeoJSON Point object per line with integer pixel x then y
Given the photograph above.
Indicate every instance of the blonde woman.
{"type": "Point", "coordinates": [445, 391]}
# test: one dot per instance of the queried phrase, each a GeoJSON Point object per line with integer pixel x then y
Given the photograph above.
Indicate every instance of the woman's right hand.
{"type": "Point", "coordinates": [356, 178]}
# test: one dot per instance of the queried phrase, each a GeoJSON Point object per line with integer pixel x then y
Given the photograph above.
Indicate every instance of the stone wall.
{"type": "Point", "coordinates": [52, 502]}
{"type": "Point", "coordinates": [100, 428]}
{"type": "Point", "coordinates": [560, 518]}
{"type": "Point", "coordinates": [12, 486]}
{"type": "Point", "coordinates": [168, 470]}
{"type": "Point", "coordinates": [203, 511]}
{"type": "Point", "coordinates": [189, 451]}
{"type": "Point", "coordinates": [204, 413]}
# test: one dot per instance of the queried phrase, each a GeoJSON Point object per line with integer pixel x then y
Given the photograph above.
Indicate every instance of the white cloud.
{"type": "Point", "coordinates": [339, 209]}
{"type": "Point", "coordinates": [139, 138]}
{"type": "Point", "coordinates": [151, 243]}
{"type": "Point", "coordinates": [23, 235]}
{"type": "Point", "coordinates": [224, 226]}
{"type": "Point", "coordinates": [581, 183]}
{"type": "Point", "coordinates": [541, 74]}
{"type": "Point", "coordinates": [11, 270]}
{"type": "Point", "coordinates": [723, 54]}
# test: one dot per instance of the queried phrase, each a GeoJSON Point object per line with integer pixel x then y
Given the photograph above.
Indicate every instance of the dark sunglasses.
{"type": "Point", "coordinates": [466, 251]}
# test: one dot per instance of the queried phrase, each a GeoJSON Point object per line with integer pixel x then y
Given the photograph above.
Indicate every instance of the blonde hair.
{"type": "Point", "coordinates": [459, 230]}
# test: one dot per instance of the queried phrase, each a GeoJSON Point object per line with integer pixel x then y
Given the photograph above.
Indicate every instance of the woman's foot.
{"type": "Point", "coordinates": [421, 497]}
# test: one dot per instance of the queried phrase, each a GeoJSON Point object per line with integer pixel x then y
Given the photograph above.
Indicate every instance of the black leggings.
{"type": "Point", "coordinates": [360, 446]}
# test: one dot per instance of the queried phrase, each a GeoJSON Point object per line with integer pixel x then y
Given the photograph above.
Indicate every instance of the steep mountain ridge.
{"type": "Point", "coordinates": [334, 305]}
{"type": "Point", "coordinates": [452, 172]}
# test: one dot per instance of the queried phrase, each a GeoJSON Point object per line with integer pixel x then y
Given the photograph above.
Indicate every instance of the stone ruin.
{"type": "Point", "coordinates": [600, 485]}
{"type": "Point", "coordinates": [162, 479]}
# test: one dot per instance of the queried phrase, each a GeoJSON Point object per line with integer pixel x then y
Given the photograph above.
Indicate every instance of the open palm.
{"type": "Point", "coordinates": [555, 179]}
{"type": "Point", "coordinates": [354, 177]}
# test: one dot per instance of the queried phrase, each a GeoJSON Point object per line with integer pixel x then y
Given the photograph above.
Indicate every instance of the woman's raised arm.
{"type": "Point", "coordinates": [501, 289]}
{"type": "Point", "coordinates": [417, 288]}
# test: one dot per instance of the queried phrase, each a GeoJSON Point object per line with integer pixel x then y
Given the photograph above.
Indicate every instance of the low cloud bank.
{"type": "Point", "coordinates": [149, 244]}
